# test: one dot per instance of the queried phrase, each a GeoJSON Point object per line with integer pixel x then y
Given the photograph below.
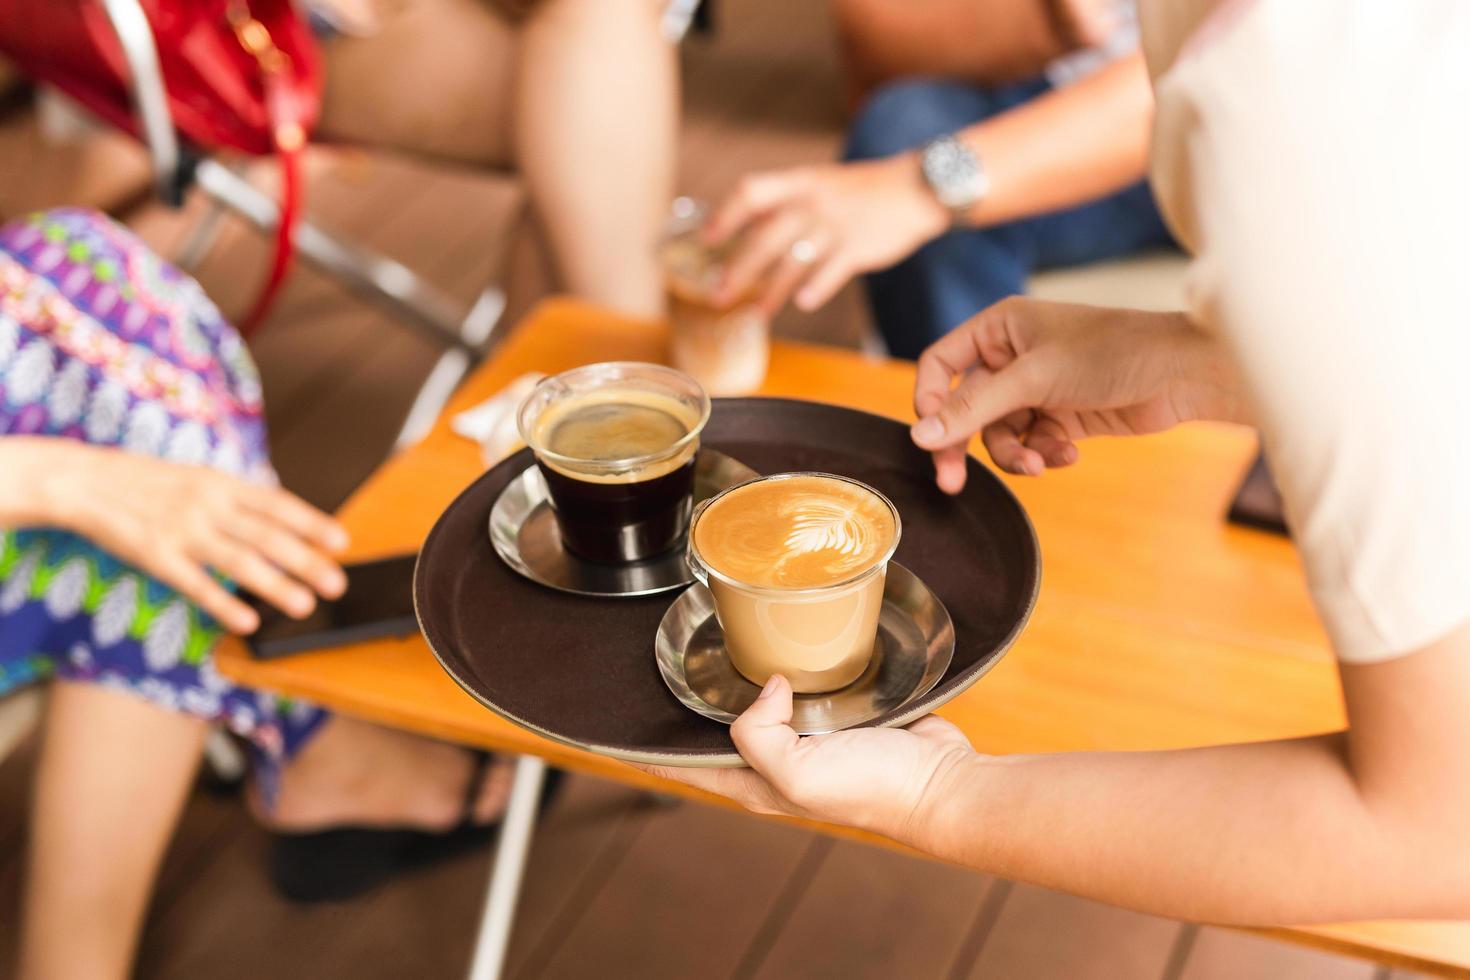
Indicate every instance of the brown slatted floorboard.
{"type": "Point", "coordinates": [570, 862]}
{"type": "Point", "coordinates": [225, 922]}
{"type": "Point", "coordinates": [870, 913]}
{"type": "Point", "coordinates": [107, 171]}
{"type": "Point", "coordinates": [15, 798]}
{"type": "Point", "coordinates": [689, 895]}
{"type": "Point", "coordinates": [1044, 934]}
{"type": "Point", "coordinates": [1220, 954]}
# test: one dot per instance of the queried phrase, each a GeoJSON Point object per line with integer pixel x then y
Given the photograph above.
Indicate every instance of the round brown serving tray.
{"type": "Point", "coordinates": [582, 670]}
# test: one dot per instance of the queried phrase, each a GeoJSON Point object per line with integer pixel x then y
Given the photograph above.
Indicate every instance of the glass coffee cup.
{"type": "Point", "coordinates": [727, 348]}
{"type": "Point", "coordinates": [797, 564]}
{"type": "Point", "coordinates": [616, 443]}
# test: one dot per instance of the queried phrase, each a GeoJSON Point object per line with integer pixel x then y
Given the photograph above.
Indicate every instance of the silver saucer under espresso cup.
{"type": "Point", "coordinates": [914, 648]}
{"type": "Point", "coordinates": [524, 532]}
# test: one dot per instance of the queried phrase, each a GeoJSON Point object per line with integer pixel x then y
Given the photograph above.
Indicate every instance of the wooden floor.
{"type": "Point", "coordinates": [622, 886]}
{"type": "Point", "coordinates": [618, 885]}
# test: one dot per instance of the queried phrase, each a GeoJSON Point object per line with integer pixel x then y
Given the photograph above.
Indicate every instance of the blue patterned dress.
{"type": "Point", "coordinates": [102, 342]}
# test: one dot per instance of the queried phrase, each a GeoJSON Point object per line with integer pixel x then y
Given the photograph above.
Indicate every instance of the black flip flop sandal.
{"type": "Point", "coordinates": [341, 863]}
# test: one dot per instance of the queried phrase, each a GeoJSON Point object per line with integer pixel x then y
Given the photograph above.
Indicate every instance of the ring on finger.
{"type": "Point", "coordinates": [804, 250]}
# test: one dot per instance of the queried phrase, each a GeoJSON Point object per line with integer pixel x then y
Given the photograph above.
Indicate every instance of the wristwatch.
{"type": "Point", "coordinates": [955, 174]}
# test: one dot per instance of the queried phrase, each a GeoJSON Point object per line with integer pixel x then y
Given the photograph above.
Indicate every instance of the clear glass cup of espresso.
{"type": "Point", "coordinates": [727, 348]}
{"type": "Point", "coordinates": [616, 443]}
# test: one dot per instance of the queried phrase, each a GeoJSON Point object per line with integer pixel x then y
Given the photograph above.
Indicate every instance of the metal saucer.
{"type": "Point", "coordinates": [524, 532]}
{"type": "Point", "coordinates": [915, 645]}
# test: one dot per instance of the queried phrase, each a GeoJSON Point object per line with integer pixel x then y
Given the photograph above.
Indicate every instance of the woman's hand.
{"type": "Point", "coordinates": [810, 229]}
{"type": "Point", "coordinates": [174, 522]}
{"type": "Point", "coordinates": [873, 778]}
{"type": "Point", "coordinates": [1033, 378]}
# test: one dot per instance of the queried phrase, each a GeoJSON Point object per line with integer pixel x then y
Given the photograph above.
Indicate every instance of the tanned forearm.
{"type": "Point", "coordinates": [1205, 834]}
{"type": "Point", "coordinates": [1067, 147]}
{"type": "Point", "coordinates": [35, 477]}
{"type": "Point", "coordinates": [1365, 824]}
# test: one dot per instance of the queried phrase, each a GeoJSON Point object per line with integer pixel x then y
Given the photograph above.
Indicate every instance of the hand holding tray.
{"type": "Point", "coordinates": [582, 670]}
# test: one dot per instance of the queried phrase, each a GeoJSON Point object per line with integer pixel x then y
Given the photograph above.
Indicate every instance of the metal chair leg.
{"type": "Point", "coordinates": [479, 324]}
{"type": "Point", "coordinates": [482, 319]}
{"type": "Point", "coordinates": [367, 273]}
{"type": "Point", "coordinates": [374, 276]}
{"type": "Point", "coordinates": [436, 390]}
{"type": "Point", "coordinates": [224, 757]}
{"type": "Point", "coordinates": [150, 98]}
{"type": "Point", "coordinates": [379, 278]}
{"type": "Point", "coordinates": [201, 237]}
{"type": "Point", "coordinates": [508, 869]}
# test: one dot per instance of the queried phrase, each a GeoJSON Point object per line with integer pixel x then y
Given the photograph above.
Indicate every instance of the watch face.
{"type": "Point", "coordinates": [953, 172]}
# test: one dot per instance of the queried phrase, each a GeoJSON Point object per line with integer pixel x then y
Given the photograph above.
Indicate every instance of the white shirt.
{"type": "Point", "coordinates": [1314, 155]}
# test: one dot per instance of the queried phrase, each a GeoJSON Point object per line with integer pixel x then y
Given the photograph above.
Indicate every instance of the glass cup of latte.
{"type": "Point", "coordinates": [726, 348]}
{"type": "Point", "coordinates": [616, 444]}
{"type": "Point", "coordinates": [796, 563]}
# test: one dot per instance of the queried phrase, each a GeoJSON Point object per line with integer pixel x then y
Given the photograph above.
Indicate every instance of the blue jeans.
{"type": "Point", "coordinates": [959, 274]}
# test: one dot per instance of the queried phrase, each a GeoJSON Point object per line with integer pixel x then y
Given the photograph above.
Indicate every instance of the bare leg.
{"type": "Point", "coordinates": [355, 772]}
{"type": "Point", "coordinates": [595, 121]}
{"type": "Point", "coordinates": [113, 775]}
{"type": "Point", "coordinates": [580, 93]}
{"type": "Point", "coordinates": [435, 79]}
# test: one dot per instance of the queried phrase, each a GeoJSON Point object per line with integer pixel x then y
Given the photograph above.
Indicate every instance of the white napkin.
{"type": "Point", "coordinates": [492, 423]}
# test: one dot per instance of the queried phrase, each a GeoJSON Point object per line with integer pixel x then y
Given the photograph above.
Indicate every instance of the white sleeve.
{"type": "Point", "coordinates": [1316, 154]}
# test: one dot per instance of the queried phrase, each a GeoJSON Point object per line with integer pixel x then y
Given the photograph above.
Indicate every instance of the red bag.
{"type": "Point", "coordinates": [239, 74]}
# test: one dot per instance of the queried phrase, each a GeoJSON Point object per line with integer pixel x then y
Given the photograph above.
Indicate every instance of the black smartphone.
{"type": "Point", "coordinates": [1258, 503]}
{"type": "Point", "coordinates": [378, 602]}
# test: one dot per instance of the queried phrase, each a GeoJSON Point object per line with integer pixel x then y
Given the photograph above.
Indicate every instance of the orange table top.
{"type": "Point", "coordinates": [1159, 625]}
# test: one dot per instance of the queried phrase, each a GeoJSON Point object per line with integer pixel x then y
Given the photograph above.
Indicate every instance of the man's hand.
{"type": "Point", "coordinates": [1033, 378]}
{"type": "Point", "coordinates": [873, 778]}
{"type": "Point", "coordinates": [810, 229]}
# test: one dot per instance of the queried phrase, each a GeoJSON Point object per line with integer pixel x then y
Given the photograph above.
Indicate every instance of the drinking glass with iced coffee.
{"type": "Point", "coordinates": [726, 348]}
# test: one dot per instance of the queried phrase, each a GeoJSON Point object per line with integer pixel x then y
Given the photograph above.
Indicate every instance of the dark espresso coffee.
{"type": "Point", "coordinates": [620, 473]}
{"type": "Point", "coordinates": [606, 431]}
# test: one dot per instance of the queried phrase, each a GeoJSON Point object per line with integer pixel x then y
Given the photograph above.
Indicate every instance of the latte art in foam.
{"type": "Point", "coordinates": [796, 533]}
{"type": "Point", "coordinates": [828, 526]}
{"type": "Point", "coordinates": [796, 565]}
